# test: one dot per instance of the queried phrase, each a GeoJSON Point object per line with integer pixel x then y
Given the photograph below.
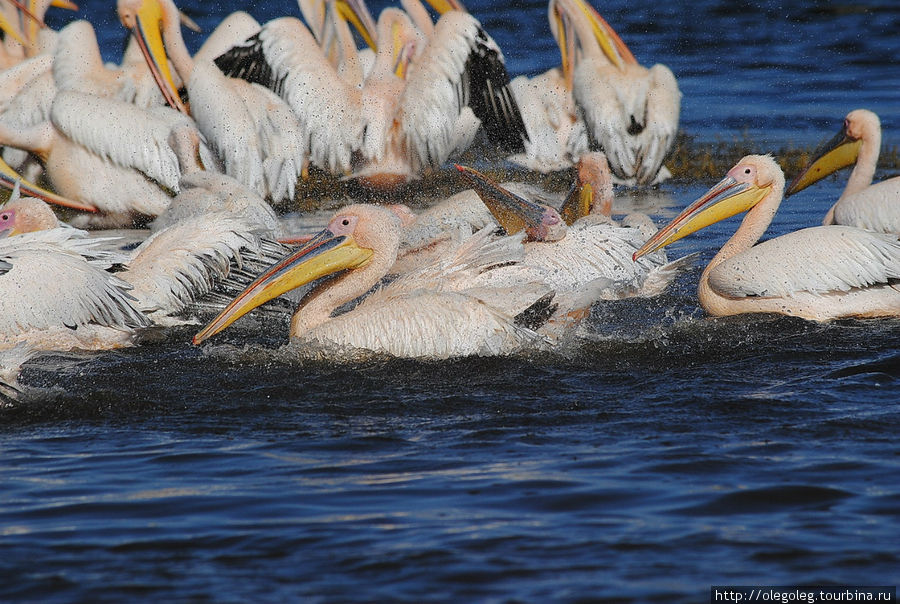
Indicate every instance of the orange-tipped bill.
{"type": "Point", "coordinates": [9, 178]}
{"type": "Point", "coordinates": [841, 151]}
{"type": "Point", "coordinates": [323, 255]}
{"type": "Point", "coordinates": [724, 200]}
{"type": "Point", "coordinates": [146, 30]}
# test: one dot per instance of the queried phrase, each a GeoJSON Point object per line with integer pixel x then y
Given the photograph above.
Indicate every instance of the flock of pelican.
{"type": "Point", "coordinates": [198, 147]}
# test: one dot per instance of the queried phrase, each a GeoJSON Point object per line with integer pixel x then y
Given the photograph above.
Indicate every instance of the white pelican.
{"type": "Point", "coordinates": [258, 137]}
{"type": "Point", "coordinates": [434, 313]}
{"type": "Point", "coordinates": [175, 266]}
{"type": "Point", "coordinates": [53, 298]}
{"type": "Point", "coordinates": [819, 273]}
{"type": "Point", "coordinates": [402, 120]}
{"type": "Point", "coordinates": [587, 250]}
{"type": "Point", "coordinates": [875, 207]}
{"type": "Point", "coordinates": [629, 112]}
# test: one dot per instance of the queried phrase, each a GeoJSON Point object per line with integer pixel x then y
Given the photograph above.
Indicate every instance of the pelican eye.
{"type": "Point", "coordinates": [746, 170]}
{"type": "Point", "coordinates": [4, 216]}
{"type": "Point", "coordinates": [345, 222]}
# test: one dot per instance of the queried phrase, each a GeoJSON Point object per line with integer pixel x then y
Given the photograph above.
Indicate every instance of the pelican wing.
{"type": "Point", "coordinates": [44, 286]}
{"type": "Point", "coordinates": [876, 208]}
{"type": "Point", "coordinates": [223, 116]}
{"type": "Point", "coordinates": [460, 66]}
{"type": "Point", "coordinates": [31, 105]}
{"type": "Point", "coordinates": [632, 116]}
{"type": "Point", "coordinates": [596, 251]}
{"type": "Point", "coordinates": [285, 58]}
{"type": "Point", "coordinates": [817, 260]}
{"type": "Point", "coordinates": [284, 143]}
{"type": "Point", "coordinates": [428, 324]}
{"type": "Point", "coordinates": [14, 79]}
{"type": "Point", "coordinates": [178, 265]}
{"type": "Point", "coordinates": [128, 136]}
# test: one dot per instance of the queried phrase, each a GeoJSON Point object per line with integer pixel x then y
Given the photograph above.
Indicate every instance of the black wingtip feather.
{"type": "Point", "coordinates": [490, 98]}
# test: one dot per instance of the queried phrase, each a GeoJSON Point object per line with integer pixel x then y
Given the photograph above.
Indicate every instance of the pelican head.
{"type": "Point", "coordinates": [26, 215]}
{"type": "Point", "coordinates": [513, 213]}
{"type": "Point", "coordinates": [746, 184]}
{"type": "Point", "coordinates": [146, 20]}
{"type": "Point", "coordinates": [349, 242]}
{"type": "Point", "coordinates": [841, 151]}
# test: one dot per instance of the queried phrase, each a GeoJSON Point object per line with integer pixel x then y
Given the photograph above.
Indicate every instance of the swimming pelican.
{"type": "Point", "coordinates": [628, 111]}
{"type": "Point", "coordinates": [175, 266]}
{"type": "Point", "coordinates": [53, 298]}
{"type": "Point", "coordinates": [875, 207]}
{"type": "Point", "coordinates": [434, 313]}
{"type": "Point", "coordinates": [818, 273]}
{"type": "Point", "coordinates": [590, 248]}
{"type": "Point", "coordinates": [258, 137]}
{"type": "Point", "coordinates": [403, 119]}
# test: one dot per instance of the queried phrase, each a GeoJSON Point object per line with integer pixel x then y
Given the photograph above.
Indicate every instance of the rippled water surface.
{"type": "Point", "coordinates": [659, 453]}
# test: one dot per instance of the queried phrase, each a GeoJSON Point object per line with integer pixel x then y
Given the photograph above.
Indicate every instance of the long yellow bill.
{"type": "Point", "coordinates": [9, 178]}
{"type": "Point", "coordinates": [66, 4]}
{"type": "Point", "coordinates": [724, 200]}
{"type": "Point", "coordinates": [445, 6]}
{"type": "Point", "coordinates": [610, 43]}
{"type": "Point", "coordinates": [323, 255]}
{"type": "Point", "coordinates": [357, 14]}
{"type": "Point", "coordinates": [841, 151]}
{"type": "Point", "coordinates": [10, 29]}
{"type": "Point", "coordinates": [147, 32]}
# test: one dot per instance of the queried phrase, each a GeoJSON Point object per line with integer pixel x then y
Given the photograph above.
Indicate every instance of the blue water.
{"type": "Point", "coordinates": [661, 453]}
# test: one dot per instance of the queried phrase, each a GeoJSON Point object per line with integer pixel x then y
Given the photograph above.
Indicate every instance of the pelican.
{"type": "Point", "coordinates": [819, 273]}
{"type": "Point", "coordinates": [407, 115]}
{"type": "Point", "coordinates": [175, 267]}
{"type": "Point", "coordinates": [875, 207]}
{"type": "Point", "coordinates": [255, 133]}
{"type": "Point", "coordinates": [89, 309]}
{"type": "Point", "coordinates": [447, 310]}
{"type": "Point", "coordinates": [584, 248]}
{"type": "Point", "coordinates": [628, 111]}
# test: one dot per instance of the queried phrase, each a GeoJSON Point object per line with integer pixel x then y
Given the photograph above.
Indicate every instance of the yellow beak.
{"type": "Point", "coordinates": [323, 255]}
{"type": "Point", "coordinates": [148, 33]}
{"type": "Point", "coordinates": [445, 6]}
{"type": "Point", "coordinates": [724, 200]}
{"type": "Point", "coordinates": [840, 152]}
{"type": "Point", "coordinates": [607, 38]}
{"type": "Point", "coordinates": [578, 203]}
{"type": "Point", "coordinates": [9, 178]}
{"type": "Point", "coordinates": [10, 29]}
{"type": "Point", "coordinates": [66, 4]}
{"type": "Point", "coordinates": [357, 14]}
